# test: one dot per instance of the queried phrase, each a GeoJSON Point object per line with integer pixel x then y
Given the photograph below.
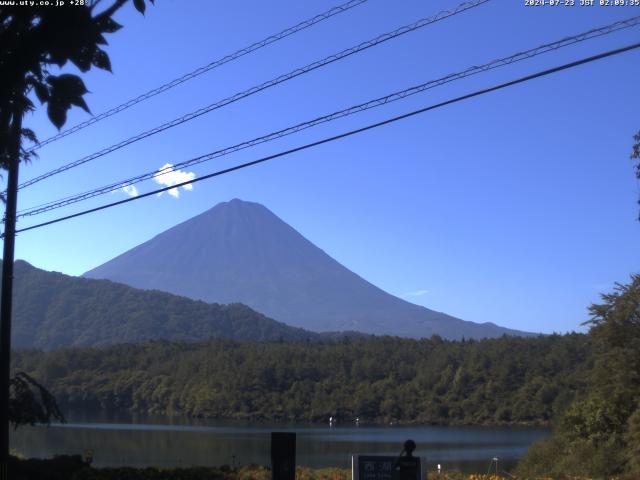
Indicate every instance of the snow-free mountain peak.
{"type": "Point", "coordinates": [240, 251]}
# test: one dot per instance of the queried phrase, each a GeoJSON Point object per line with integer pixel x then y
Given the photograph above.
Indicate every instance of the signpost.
{"type": "Point", "coordinates": [372, 467]}
{"type": "Point", "coordinates": [383, 467]}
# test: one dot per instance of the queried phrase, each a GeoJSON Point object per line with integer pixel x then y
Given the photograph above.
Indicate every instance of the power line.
{"type": "Point", "coordinates": [282, 78]}
{"type": "Point", "coordinates": [204, 69]}
{"type": "Point", "coordinates": [549, 47]}
{"type": "Point", "coordinates": [594, 33]}
{"type": "Point", "coordinates": [542, 73]}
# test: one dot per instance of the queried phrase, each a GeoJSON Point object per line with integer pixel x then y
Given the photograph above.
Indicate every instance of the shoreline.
{"type": "Point", "coordinates": [374, 422]}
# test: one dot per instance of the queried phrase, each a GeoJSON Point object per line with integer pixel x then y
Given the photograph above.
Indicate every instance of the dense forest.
{"type": "Point", "coordinates": [52, 310]}
{"type": "Point", "coordinates": [598, 435]}
{"type": "Point", "coordinates": [505, 380]}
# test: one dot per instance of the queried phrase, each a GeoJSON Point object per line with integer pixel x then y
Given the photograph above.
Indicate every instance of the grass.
{"type": "Point", "coordinates": [72, 468]}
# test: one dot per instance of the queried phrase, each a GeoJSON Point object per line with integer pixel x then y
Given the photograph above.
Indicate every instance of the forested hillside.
{"type": "Point", "coordinates": [598, 435]}
{"type": "Point", "coordinates": [505, 380]}
{"type": "Point", "coordinates": [52, 310]}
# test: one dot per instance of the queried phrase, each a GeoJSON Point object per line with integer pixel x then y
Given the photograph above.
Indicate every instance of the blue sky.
{"type": "Point", "coordinates": [517, 207]}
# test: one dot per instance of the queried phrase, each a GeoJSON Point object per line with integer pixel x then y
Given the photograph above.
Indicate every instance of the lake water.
{"type": "Point", "coordinates": [168, 441]}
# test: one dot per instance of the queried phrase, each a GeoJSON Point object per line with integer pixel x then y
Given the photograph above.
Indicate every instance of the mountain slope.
{"type": "Point", "coordinates": [241, 252]}
{"type": "Point", "coordinates": [53, 310]}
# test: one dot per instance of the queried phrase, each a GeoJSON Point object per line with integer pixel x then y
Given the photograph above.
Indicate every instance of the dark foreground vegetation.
{"type": "Point", "coordinates": [500, 381]}
{"type": "Point", "coordinates": [72, 468]}
{"type": "Point", "coordinates": [599, 433]}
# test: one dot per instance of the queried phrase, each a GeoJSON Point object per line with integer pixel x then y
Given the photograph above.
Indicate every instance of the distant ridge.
{"type": "Point", "coordinates": [52, 310]}
{"type": "Point", "coordinates": [240, 251]}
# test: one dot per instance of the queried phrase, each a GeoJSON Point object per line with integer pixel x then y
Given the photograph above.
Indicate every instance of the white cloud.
{"type": "Point", "coordinates": [130, 190]}
{"type": "Point", "coordinates": [417, 293]}
{"type": "Point", "coordinates": [168, 176]}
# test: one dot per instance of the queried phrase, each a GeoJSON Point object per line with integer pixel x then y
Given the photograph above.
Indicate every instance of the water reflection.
{"type": "Point", "coordinates": [174, 441]}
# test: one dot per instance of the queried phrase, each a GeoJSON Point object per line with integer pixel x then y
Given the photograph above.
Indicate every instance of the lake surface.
{"type": "Point", "coordinates": [169, 441]}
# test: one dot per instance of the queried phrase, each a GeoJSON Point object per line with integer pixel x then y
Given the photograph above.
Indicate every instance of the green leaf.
{"type": "Point", "coordinates": [140, 6]}
{"type": "Point", "coordinates": [66, 90]}
{"type": "Point", "coordinates": [66, 85]}
{"type": "Point", "coordinates": [82, 58]}
{"type": "Point", "coordinates": [57, 56]}
{"type": "Point", "coordinates": [30, 135]}
{"type": "Point", "coordinates": [100, 40]}
{"type": "Point", "coordinates": [107, 25]}
{"type": "Point", "coordinates": [57, 114]}
{"type": "Point", "coordinates": [42, 91]}
{"type": "Point", "coordinates": [79, 102]}
{"type": "Point", "coordinates": [101, 60]}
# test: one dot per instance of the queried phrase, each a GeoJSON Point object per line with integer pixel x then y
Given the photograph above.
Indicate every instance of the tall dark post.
{"type": "Point", "coordinates": [7, 291]}
{"type": "Point", "coordinates": [283, 455]}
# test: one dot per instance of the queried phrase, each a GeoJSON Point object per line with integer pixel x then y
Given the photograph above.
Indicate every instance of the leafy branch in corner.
{"type": "Point", "coordinates": [37, 41]}
{"type": "Point", "coordinates": [34, 40]}
{"type": "Point", "coordinates": [635, 155]}
{"type": "Point", "coordinates": [30, 403]}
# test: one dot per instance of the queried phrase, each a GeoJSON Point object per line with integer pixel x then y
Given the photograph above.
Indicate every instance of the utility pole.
{"type": "Point", "coordinates": [13, 162]}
